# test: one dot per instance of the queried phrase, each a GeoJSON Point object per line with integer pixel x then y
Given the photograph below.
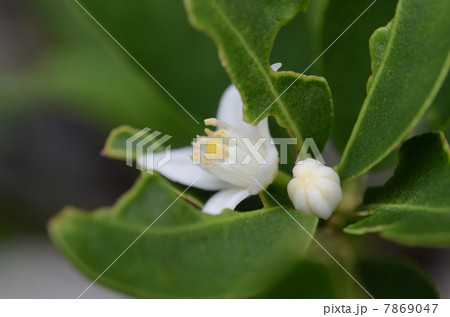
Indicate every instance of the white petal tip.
{"type": "Point", "coordinates": [276, 66]}
{"type": "Point", "coordinates": [224, 199]}
{"type": "Point", "coordinates": [145, 163]}
{"type": "Point", "coordinates": [212, 212]}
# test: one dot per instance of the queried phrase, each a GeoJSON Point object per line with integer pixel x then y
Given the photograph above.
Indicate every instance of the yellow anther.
{"type": "Point", "coordinates": [205, 160]}
{"type": "Point", "coordinates": [212, 148]}
{"type": "Point", "coordinates": [221, 134]}
{"type": "Point", "coordinates": [211, 122]}
{"type": "Point", "coordinates": [209, 132]}
{"type": "Point", "coordinates": [215, 149]}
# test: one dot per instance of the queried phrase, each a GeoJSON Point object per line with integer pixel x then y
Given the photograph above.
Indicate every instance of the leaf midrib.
{"type": "Point", "coordinates": [276, 94]}
{"type": "Point", "coordinates": [407, 206]}
{"type": "Point", "coordinates": [196, 225]}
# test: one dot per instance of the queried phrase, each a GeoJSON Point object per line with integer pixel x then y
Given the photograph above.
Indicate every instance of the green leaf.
{"type": "Point", "coordinates": [393, 278]}
{"type": "Point", "coordinates": [116, 143]}
{"type": "Point", "coordinates": [408, 78]}
{"type": "Point", "coordinates": [278, 192]}
{"type": "Point", "coordinates": [185, 253]}
{"type": "Point", "coordinates": [439, 113]}
{"type": "Point", "coordinates": [378, 45]}
{"type": "Point", "coordinates": [382, 278]}
{"type": "Point", "coordinates": [295, 44]}
{"type": "Point", "coordinates": [158, 34]}
{"type": "Point", "coordinates": [413, 207]}
{"type": "Point", "coordinates": [318, 275]}
{"type": "Point", "coordinates": [346, 65]}
{"type": "Point", "coordinates": [244, 32]}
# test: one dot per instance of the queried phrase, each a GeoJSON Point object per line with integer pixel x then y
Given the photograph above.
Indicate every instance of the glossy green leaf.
{"type": "Point", "coordinates": [413, 207]}
{"type": "Point", "coordinates": [346, 65]}
{"type": "Point", "coordinates": [392, 278]}
{"type": "Point", "coordinates": [185, 253]}
{"type": "Point", "coordinates": [244, 32]}
{"type": "Point", "coordinates": [408, 78]}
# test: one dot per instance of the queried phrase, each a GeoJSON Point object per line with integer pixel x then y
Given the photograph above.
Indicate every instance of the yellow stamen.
{"type": "Point", "coordinates": [212, 148]}
{"type": "Point", "coordinates": [209, 132]}
{"type": "Point", "coordinates": [211, 122]}
{"type": "Point", "coordinates": [215, 149]}
{"type": "Point", "coordinates": [221, 134]}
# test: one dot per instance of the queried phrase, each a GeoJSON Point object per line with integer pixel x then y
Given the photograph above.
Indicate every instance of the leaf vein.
{"type": "Point", "coordinates": [275, 93]}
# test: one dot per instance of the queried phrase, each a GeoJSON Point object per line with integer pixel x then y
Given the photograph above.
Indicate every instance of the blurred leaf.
{"type": "Point", "coordinates": [244, 32]}
{"type": "Point", "coordinates": [346, 65]}
{"type": "Point", "coordinates": [185, 253]}
{"type": "Point", "coordinates": [110, 92]}
{"type": "Point", "coordinates": [142, 140]}
{"type": "Point", "coordinates": [158, 35]}
{"type": "Point", "coordinates": [278, 191]}
{"type": "Point", "coordinates": [310, 279]}
{"type": "Point", "coordinates": [116, 146]}
{"type": "Point", "coordinates": [413, 207]}
{"type": "Point", "coordinates": [296, 42]}
{"type": "Point", "coordinates": [413, 68]}
{"type": "Point", "coordinates": [318, 275]}
{"type": "Point", "coordinates": [387, 278]}
{"type": "Point", "coordinates": [84, 71]}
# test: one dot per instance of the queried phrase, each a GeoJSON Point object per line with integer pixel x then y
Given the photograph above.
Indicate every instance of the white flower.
{"type": "Point", "coordinates": [315, 188]}
{"type": "Point", "coordinates": [234, 179]}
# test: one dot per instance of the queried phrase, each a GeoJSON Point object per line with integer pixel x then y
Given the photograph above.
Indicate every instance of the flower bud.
{"type": "Point", "coordinates": [315, 189]}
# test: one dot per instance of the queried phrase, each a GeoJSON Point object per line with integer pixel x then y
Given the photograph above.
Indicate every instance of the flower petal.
{"type": "Point", "coordinates": [225, 199]}
{"type": "Point", "coordinates": [231, 112]}
{"type": "Point", "coordinates": [267, 172]}
{"type": "Point", "coordinates": [181, 169]}
{"type": "Point", "coordinates": [262, 129]}
{"type": "Point", "coordinates": [276, 66]}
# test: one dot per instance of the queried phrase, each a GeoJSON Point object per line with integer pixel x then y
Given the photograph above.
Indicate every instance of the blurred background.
{"type": "Point", "coordinates": [64, 84]}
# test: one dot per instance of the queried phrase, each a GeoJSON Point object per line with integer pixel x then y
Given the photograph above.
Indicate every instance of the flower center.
{"type": "Point", "coordinates": [224, 154]}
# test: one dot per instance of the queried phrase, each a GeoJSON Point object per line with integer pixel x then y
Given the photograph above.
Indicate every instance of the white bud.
{"type": "Point", "coordinates": [315, 188]}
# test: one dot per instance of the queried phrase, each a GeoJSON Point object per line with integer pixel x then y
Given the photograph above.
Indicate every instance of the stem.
{"type": "Point", "coordinates": [352, 195]}
{"type": "Point", "coordinates": [352, 198]}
